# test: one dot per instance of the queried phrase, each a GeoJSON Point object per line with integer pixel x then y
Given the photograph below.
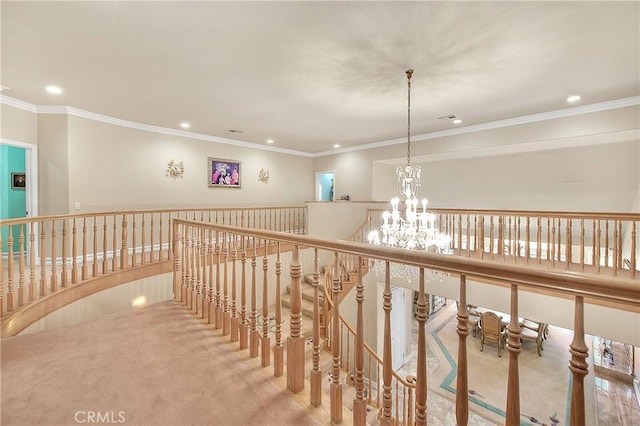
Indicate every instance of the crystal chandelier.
{"type": "Point", "coordinates": [414, 230]}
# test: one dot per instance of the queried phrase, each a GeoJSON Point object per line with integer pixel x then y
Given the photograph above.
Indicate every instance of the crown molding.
{"type": "Point", "coordinates": [17, 103]}
{"type": "Point", "coordinates": [516, 121]}
{"type": "Point", "coordinates": [550, 115]}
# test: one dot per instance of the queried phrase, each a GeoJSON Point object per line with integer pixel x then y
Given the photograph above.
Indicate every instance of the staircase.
{"type": "Point", "coordinates": [307, 301]}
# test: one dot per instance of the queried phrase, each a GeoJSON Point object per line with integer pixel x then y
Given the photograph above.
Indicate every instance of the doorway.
{"type": "Point", "coordinates": [325, 186]}
{"type": "Point", "coordinates": [18, 183]}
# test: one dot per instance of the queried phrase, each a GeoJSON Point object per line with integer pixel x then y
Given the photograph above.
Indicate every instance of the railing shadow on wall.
{"type": "Point", "coordinates": [198, 260]}
{"type": "Point", "coordinates": [52, 255]}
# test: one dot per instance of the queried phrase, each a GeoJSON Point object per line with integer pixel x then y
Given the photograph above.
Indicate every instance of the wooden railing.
{"type": "Point", "coordinates": [604, 243]}
{"type": "Point", "coordinates": [47, 254]}
{"type": "Point", "coordinates": [197, 248]}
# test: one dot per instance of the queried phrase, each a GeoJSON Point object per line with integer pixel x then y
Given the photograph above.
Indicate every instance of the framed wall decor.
{"type": "Point", "coordinates": [223, 173]}
{"type": "Point", "coordinates": [18, 180]}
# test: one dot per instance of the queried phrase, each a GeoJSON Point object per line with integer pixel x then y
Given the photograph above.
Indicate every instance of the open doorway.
{"type": "Point", "coordinates": [325, 186]}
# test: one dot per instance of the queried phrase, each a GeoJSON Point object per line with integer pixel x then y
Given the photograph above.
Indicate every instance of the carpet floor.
{"type": "Point", "coordinates": [156, 365]}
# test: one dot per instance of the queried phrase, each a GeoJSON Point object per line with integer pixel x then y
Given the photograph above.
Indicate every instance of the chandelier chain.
{"type": "Point", "coordinates": [409, 74]}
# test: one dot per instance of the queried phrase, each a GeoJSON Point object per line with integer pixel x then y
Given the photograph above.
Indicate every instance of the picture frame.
{"type": "Point", "coordinates": [224, 173]}
{"type": "Point", "coordinates": [18, 180]}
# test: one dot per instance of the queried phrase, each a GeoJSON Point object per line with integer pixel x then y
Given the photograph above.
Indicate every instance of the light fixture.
{"type": "Point", "coordinates": [414, 230]}
{"type": "Point", "coordinates": [270, 141]}
{"type": "Point", "coordinates": [185, 125]}
{"type": "Point", "coordinates": [456, 121]}
{"type": "Point", "coordinates": [54, 90]}
{"type": "Point", "coordinates": [336, 146]}
{"type": "Point", "coordinates": [573, 98]}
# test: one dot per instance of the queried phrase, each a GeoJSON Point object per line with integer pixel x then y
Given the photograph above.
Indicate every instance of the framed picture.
{"type": "Point", "coordinates": [224, 173]}
{"type": "Point", "coordinates": [18, 180]}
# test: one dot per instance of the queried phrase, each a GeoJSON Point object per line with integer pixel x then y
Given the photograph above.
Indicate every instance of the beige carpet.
{"type": "Point", "coordinates": [156, 365]}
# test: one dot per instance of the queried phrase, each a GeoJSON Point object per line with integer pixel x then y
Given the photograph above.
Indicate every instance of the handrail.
{"type": "Point", "coordinates": [578, 284]}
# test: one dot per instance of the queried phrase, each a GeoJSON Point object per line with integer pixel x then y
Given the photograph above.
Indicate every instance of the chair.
{"type": "Point", "coordinates": [491, 330]}
{"type": "Point", "coordinates": [474, 319]}
{"type": "Point", "coordinates": [534, 332]}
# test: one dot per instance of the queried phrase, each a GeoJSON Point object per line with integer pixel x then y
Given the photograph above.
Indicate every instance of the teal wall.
{"type": "Point", "coordinates": [325, 184]}
{"type": "Point", "coordinates": [13, 202]}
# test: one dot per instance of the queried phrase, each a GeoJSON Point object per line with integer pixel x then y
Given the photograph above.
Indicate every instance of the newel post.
{"type": "Point", "coordinates": [316, 373]}
{"type": "Point", "coordinates": [421, 371]}
{"type": "Point", "coordinates": [359, 403]}
{"type": "Point", "coordinates": [295, 341]}
{"type": "Point", "coordinates": [387, 362]}
{"type": "Point", "coordinates": [336, 341]}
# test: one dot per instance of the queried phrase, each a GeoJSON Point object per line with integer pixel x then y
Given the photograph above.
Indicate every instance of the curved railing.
{"type": "Point", "coordinates": [198, 243]}
{"type": "Point", "coordinates": [52, 255]}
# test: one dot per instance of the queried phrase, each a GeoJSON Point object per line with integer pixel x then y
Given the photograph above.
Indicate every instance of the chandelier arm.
{"type": "Point", "coordinates": [409, 74]}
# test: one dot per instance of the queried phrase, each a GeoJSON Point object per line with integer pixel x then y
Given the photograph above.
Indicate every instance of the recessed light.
{"type": "Point", "coordinates": [185, 125]}
{"type": "Point", "coordinates": [54, 90]}
{"type": "Point", "coordinates": [456, 121]}
{"type": "Point", "coordinates": [269, 140]}
{"type": "Point", "coordinates": [336, 146]}
{"type": "Point", "coordinates": [573, 98]}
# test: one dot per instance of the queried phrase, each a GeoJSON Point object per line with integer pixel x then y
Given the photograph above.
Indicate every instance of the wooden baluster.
{"type": "Point", "coordinates": [593, 243]}
{"type": "Point", "coordinates": [316, 374]}
{"type": "Point", "coordinates": [124, 249]}
{"type": "Point", "coordinates": [359, 403]}
{"type": "Point", "coordinates": [186, 282]}
{"type": "Point", "coordinates": [569, 243]}
{"type": "Point", "coordinates": [204, 253]}
{"type": "Point", "coordinates": [243, 295]}
{"type": "Point", "coordinates": [53, 280]}
{"type": "Point", "coordinates": [517, 233]}
{"type": "Point", "coordinates": [234, 299]}
{"type": "Point", "coordinates": [515, 347]}
{"type": "Point", "coordinates": [460, 234]}
{"type": "Point", "coordinates": [265, 341]}
{"type": "Point", "coordinates": [548, 240]}
{"type": "Point", "coordinates": [468, 237]}
{"type": "Point", "coordinates": [196, 296]}
{"type": "Point", "coordinates": [462, 384]}
{"type": "Point", "coordinates": [553, 242]}
{"type": "Point", "coordinates": [491, 242]}
{"type": "Point", "coordinates": [582, 248]}
{"type": "Point", "coordinates": [218, 296]}
{"type": "Point", "coordinates": [615, 248]}
{"type": "Point", "coordinates": [578, 366]}
{"type": "Point", "coordinates": [253, 316]}
{"type": "Point", "coordinates": [133, 240]}
{"type": "Point", "coordinates": [210, 305]}
{"type": "Point", "coordinates": [539, 241]}
{"type": "Point", "coordinates": [21, 264]}
{"type": "Point", "coordinates": [606, 243]}
{"type": "Point", "coordinates": [85, 264]}
{"type": "Point", "coordinates": [104, 245]}
{"type": "Point", "coordinates": [598, 245]}
{"type": "Point", "coordinates": [633, 249]}
{"type": "Point", "coordinates": [74, 253]}
{"type": "Point", "coordinates": [32, 263]}
{"type": "Point", "coordinates": [408, 412]}
{"type": "Point", "coordinates": [336, 385]}
{"type": "Point", "coordinates": [278, 349]}
{"type": "Point", "coordinates": [559, 249]}
{"type": "Point", "coordinates": [43, 261]}
{"type": "Point", "coordinates": [152, 256]}
{"type": "Point", "coordinates": [387, 362]}
{"type": "Point", "coordinates": [114, 246]}
{"type": "Point", "coordinates": [501, 236]}
{"type": "Point", "coordinates": [527, 248]}
{"type": "Point", "coordinates": [143, 250]}
{"type": "Point", "coordinates": [226, 312]}
{"type": "Point", "coordinates": [620, 265]}
{"type": "Point", "coordinates": [10, 272]}
{"type": "Point", "coordinates": [168, 240]}
{"type": "Point", "coordinates": [511, 240]}
{"type": "Point", "coordinates": [421, 368]}
{"type": "Point", "coordinates": [296, 341]}
{"type": "Point", "coordinates": [63, 273]}
{"type": "Point", "coordinates": [177, 261]}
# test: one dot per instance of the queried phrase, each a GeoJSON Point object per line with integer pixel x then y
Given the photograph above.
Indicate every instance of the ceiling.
{"type": "Point", "coordinates": [313, 74]}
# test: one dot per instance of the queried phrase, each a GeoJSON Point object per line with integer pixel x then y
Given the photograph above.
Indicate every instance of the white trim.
{"type": "Point", "coordinates": [17, 103]}
{"type": "Point", "coordinates": [550, 115]}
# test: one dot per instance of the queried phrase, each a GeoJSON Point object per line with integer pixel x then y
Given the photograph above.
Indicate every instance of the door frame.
{"type": "Point", "coordinates": [318, 188]}
{"type": "Point", "coordinates": [31, 167]}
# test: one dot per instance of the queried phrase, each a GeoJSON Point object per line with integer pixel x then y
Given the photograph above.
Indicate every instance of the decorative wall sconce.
{"type": "Point", "coordinates": [175, 169]}
{"type": "Point", "coordinates": [263, 175]}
